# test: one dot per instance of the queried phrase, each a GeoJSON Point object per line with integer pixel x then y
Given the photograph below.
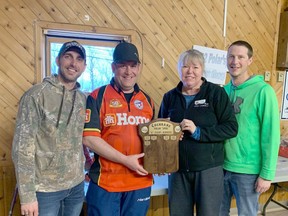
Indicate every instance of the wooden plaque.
{"type": "Point", "coordinates": [160, 140]}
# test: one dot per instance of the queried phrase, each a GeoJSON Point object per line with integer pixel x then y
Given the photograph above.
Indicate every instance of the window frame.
{"type": "Point", "coordinates": [42, 66]}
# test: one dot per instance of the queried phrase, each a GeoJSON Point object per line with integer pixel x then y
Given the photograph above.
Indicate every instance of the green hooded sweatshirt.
{"type": "Point", "coordinates": [255, 149]}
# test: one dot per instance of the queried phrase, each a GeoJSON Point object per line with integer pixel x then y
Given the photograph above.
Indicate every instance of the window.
{"type": "Point", "coordinates": [99, 49]}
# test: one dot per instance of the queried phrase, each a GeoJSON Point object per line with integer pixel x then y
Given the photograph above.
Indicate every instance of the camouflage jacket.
{"type": "Point", "coordinates": [47, 147]}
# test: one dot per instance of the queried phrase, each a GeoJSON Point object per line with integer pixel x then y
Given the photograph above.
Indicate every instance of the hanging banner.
{"type": "Point", "coordinates": [284, 109]}
{"type": "Point", "coordinates": [215, 64]}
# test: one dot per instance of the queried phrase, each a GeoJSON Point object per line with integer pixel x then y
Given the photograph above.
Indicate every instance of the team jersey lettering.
{"type": "Point", "coordinates": [123, 119]}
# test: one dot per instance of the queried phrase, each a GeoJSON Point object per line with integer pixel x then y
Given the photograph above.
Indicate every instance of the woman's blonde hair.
{"type": "Point", "coordinates": [191, 54]}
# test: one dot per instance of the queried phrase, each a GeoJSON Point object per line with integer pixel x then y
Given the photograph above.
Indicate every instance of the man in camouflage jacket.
{"type": "Point", "coordinates": [47, 148]}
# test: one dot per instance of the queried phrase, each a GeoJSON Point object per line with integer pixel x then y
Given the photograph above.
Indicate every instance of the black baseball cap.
{"type": "Point", "coordinates": [74, 46]}
{"type": "Point", "coordinates": [124, 52]}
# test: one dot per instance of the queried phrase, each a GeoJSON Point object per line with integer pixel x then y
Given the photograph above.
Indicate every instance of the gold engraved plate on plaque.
{"type": "Point", "coordinates": [160, 139]}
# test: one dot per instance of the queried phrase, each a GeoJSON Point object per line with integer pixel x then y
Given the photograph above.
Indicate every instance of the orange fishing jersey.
{"type": "Point", "coordinates": [111, 117]}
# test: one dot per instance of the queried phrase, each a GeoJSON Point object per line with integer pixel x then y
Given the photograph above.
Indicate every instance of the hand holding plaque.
{"type": "Point", "coordinates": [160, 140]}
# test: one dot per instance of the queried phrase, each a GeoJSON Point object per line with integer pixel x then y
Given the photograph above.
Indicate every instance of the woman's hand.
{"type": "Point", "coordinates": [188, 125]}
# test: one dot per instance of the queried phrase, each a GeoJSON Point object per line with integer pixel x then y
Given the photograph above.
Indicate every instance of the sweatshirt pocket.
{"type": "Point", "coordinates": [46, 160]}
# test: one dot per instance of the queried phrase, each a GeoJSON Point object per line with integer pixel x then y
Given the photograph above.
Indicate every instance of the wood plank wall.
{"type": "Point", "coordinates": [167, 28]}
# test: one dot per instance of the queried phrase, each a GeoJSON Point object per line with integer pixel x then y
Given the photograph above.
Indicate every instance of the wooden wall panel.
{"type": "Point", "coordinates": [166, 27]}
{"type": "Point", "coordinates": [36, 11]}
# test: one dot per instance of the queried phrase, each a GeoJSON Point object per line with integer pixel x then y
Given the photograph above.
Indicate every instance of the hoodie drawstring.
{"type": "Point", "coordinates": [60, 109]}
{"type": "Point", "coordinates": [73, 103]}
{"type": "Point", "coordinates": [61, 106]}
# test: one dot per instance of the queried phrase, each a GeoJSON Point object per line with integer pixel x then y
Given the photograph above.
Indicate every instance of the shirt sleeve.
{"type": "Point", "coordinates": [227, 126]}
{"type": "Point", "coordinates": [196, 134]}
{"type": "Point", "coordinates": [270, 132]}
{"type": "Point", "coordinates": [23, 147]}
{"type": "Point", "coordinates": [92, 125]}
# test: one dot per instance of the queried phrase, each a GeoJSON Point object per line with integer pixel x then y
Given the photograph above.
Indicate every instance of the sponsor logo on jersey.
{"type": "Point", "coordinates": [110, 119]}
{"type": "Point", "coordinates": [138, 104]}
{"type": "Point", "coordinates": [87, 115]}
{"type": "Point", "coordinates": [115, 103]}
{"type": "Point", "coordinates": [123, 119]}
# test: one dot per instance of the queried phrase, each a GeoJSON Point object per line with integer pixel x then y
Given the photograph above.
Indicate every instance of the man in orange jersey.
{"type": "Point", "coordinates": [119, 183]}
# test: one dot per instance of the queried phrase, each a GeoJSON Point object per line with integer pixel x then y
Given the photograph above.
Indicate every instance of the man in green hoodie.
{"type": "Point", "coordinates": [251, 156]}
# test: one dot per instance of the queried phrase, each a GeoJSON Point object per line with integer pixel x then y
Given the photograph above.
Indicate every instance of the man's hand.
{"type": "Point", "coordinates": [132, 162]}
{"type": "Point", "coordinates": [262, 185]}
{"type": "Point", "coordinates": [30, 209]}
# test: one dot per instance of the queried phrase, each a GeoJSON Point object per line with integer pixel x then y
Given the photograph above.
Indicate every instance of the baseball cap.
{"type": "Point", "coordinates": [124, 52]}
{"type": "Point", "coordinates": [73, 45]}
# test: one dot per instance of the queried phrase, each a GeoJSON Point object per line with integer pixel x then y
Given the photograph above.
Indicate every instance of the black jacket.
{"type": "Point", "coordinates": [212, 112]}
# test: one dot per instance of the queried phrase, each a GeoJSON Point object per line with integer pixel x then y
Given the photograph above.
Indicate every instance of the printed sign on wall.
{"type": "Point", "coordinates": [284, 109]}
{"type": "Point", "coordinates": [215, 64]}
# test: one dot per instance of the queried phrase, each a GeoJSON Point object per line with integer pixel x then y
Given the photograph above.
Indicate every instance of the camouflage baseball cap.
{"type": "Point", "coordinates": [74, 46]}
